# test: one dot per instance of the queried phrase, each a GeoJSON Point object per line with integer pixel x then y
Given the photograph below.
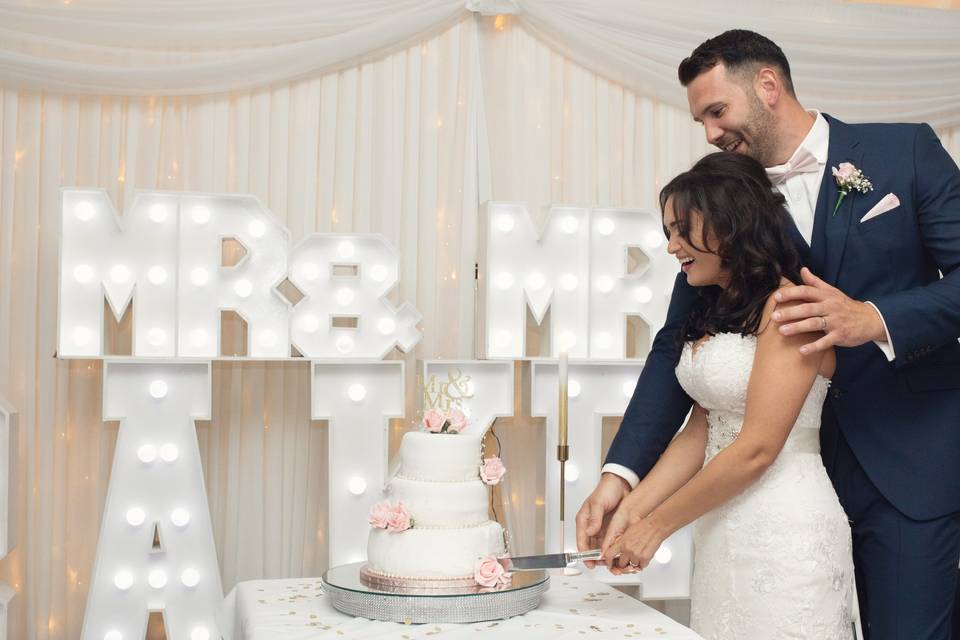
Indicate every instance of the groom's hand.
{"type": "Point", "coordinates": [596, 510]}
{"type": "Point", "coordinates": [824, 309]}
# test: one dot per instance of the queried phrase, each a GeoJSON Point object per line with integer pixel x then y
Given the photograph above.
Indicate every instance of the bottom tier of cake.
{"type": "Point", "coordinates": [433, 553]}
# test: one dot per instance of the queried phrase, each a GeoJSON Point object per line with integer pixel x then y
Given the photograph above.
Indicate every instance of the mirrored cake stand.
{"type": "Point", "coordinates": [356, 593]}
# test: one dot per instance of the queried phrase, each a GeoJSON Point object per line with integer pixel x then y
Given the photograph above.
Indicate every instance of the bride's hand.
{"type": "Point", "coordinates": [636, 547]}
{"type": "Point", "coordinates": [626, 515]}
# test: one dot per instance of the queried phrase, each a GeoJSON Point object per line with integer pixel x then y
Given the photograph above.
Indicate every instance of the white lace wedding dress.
{"type": "Point", "coordinates": [775, 561]}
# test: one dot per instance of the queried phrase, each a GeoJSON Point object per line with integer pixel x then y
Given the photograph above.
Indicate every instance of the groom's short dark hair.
{"type": "Point", "coordinates": [738, 50]}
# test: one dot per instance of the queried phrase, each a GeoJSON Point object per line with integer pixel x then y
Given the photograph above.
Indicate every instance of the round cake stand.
{"type": "Point", "coordinates": [350, 595]}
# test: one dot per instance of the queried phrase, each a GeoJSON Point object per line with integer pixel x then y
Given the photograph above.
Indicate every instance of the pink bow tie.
{"type": "Point", "coordinates": [802, 162]}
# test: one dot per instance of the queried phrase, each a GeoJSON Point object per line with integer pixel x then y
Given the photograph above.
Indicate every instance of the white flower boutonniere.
{"type": "Point", "coordinates": [849, 178]}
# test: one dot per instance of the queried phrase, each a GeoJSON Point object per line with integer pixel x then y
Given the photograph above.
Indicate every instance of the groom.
{"type": "Point", "coordinates": [890, 435]}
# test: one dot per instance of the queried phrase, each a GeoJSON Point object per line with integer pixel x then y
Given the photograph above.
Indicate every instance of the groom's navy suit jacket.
{"type": "Point", "coordinates": [901, 418]}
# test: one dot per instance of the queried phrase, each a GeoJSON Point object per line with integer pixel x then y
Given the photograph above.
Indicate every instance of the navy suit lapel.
{"type": "Point", "coordinates": [829, 229]}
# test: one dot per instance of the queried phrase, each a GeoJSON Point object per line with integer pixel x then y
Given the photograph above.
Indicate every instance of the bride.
{"type": "Point", "coordinates": [772, 543]}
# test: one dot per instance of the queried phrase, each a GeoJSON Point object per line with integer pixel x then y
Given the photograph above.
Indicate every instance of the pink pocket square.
{"type": "Point", "coordinates": [888, 202]}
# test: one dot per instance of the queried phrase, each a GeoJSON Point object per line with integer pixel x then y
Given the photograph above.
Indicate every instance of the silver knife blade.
{"type": "Point", "coordinates": [548, 561]}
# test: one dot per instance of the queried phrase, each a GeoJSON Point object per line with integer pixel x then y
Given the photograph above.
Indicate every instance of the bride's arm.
{"type": "Point", "coordinates": [779, 383]}
{"type": "Point", "coordinates": [680, 462]}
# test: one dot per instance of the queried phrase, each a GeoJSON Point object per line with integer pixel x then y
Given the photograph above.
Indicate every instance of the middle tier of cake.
{"type": "Point", "coordinates": [442, 505]}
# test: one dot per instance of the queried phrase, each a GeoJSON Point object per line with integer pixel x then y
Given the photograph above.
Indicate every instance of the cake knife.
{"type": "Point", "coordinates": [548, 561]}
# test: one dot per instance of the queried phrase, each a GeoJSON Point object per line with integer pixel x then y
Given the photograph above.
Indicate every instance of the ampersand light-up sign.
{"type": "Point", "coordinates": [9, 437]}
{"type": "Point", "coordinates": [355, 273]}
{"type": "Point", "coordinates": [581, 267]}
{"type": "Point", "coordinates": [165, 254]}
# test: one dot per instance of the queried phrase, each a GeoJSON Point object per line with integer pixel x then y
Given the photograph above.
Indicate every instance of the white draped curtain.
{"type": "Point", "coordinates": [374, 116]}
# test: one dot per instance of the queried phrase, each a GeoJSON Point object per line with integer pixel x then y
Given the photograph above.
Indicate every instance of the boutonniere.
{"type": "Point", "coordinates": [849, 178]}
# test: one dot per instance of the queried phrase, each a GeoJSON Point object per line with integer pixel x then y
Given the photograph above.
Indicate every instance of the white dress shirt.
{"type": "Point", "coordinates": [801, 190]}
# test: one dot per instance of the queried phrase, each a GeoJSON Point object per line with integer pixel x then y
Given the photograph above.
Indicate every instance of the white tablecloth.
{"type": "Point", "coordinates": [574, 607]}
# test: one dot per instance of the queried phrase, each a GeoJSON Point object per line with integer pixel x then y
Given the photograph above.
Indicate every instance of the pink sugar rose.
{"type": "Point", "coordinates": [398, 518]}
{"type": "Point", "coordinates": [379, 513]}
{"type": "Point", "coordinates": [492, 470]}
{"type": "Point", "coordinates": [457, 420]}
{"type": "Point", "coordinates": [490, 573]}
{"type": "Point", "coordinates": [844, 171]}
{"type": "Point", "coordinates": [433, 420]}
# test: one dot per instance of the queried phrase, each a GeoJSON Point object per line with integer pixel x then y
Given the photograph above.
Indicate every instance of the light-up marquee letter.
{"type": "Point", "coordinates": [345, 312]}
{"type": "Point", "coordinates": [207, 287]}
{"type": "Point", "coordinates": [541, 270]}
{"type": "Point", "coordinates": [596, 390]}
{"type": "Point", "coordinates": [357, 400]}
{"type": "Point", "coordinates": [156, 550]}
{"type": "Point", "coordinates": [133, 257]}
{"type": "Point", "coordinates": [482, 390]}
{"type": "Point", "coordinates": [631, 274]}
{"type": "Point", "coordinates": [593, 268]}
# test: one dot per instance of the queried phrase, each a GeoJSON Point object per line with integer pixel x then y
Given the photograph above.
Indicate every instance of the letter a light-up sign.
{"type": "Point", "coordinates": [156, 551]}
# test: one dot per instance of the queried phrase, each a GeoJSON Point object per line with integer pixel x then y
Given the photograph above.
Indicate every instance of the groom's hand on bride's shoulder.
{"type": "Point", "coordinates": [816, 307]}
{"type": "Point", "coordinates": [597, 511]}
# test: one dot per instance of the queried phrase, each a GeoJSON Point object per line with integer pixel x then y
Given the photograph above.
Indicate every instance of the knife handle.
{"type": "Point", "coordinates": [593, 554]}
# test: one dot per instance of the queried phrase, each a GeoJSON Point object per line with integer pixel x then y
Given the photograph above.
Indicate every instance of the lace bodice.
{"type": "Point", "coordinates": [717, 374]}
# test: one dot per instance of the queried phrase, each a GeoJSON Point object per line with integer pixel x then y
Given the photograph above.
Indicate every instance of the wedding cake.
{"type": "Point", "coordinates": [435, 527]}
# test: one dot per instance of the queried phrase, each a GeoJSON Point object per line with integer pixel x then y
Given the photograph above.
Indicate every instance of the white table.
{"type": "Point", "coordinates": [574, 607]}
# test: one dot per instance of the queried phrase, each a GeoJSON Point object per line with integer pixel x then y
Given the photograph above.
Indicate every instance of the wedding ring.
{"type": "Point", "coordinates": [823, 323]}
{"type": "Point", "coordinates": [634, 564]}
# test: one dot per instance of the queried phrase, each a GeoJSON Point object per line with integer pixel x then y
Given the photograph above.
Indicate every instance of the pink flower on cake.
{"type": "Point", "coordinates": [488, 572]}
{"type": "Point", "coordinates": [456, 420]}
{"type": "Point", "coordinates": [379, 513]}
{"type": "Point", "coordinates": [434, 420]}
{"type": "Point", "coordinates": [399, 518]}
{"type": "Point", "coordinates": [492, 470]}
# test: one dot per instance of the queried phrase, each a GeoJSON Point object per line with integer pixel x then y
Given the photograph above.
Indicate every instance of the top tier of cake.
{"type": "Point", "coordinates": [440, 457]}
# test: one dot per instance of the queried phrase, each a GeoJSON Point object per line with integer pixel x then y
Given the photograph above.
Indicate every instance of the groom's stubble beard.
{"type": "Point", "coordinates": [760, 129]}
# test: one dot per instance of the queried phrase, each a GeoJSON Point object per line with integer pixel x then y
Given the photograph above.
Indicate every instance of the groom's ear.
{"type": "Point", "coordinates": [768, 86]}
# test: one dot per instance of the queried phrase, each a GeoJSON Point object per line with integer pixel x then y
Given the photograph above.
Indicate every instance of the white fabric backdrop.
{"type": "Point", "coordinates": [856, 61]}
{"type": "Point", "coordinates": [387, 146]}
{"type": "Point", "coordinates": [406, 145]}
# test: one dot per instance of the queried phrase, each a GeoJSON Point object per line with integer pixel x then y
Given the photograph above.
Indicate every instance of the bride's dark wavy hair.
{"type": "Point", "coordinates": [748, 224]}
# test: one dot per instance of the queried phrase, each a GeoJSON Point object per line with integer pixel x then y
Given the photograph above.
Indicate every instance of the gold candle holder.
{"type": "Point", "coordinates": [563, 448]}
